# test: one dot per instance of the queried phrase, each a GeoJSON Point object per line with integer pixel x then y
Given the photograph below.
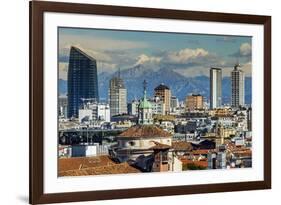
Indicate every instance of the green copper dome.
{"type": "Point", "coordinates": [145, 104]}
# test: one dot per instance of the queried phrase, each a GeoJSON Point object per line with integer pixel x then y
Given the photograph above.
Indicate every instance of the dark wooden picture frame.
{"type": "Point", "coordinates": [37, 9]}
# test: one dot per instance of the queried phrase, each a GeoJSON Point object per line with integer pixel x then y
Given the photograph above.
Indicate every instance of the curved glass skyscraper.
{"type": "Point", "coordinates": [82, 80]}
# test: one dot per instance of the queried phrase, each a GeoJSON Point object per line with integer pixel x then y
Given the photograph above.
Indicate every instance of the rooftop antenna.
{"type": "Point", "coordinates": [237, 63]}
{"type": "Point", "coordinates": [119, 72]}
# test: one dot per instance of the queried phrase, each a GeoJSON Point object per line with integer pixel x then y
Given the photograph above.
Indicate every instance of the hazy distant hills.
{"type": "Point", "coordinates": [180, 85]}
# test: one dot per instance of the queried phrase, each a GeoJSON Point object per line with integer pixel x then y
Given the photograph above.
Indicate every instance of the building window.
{"type": "Point", "coordinates": [132, 143]}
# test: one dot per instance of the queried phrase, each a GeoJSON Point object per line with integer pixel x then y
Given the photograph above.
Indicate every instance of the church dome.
{"type": "Point", "coordinates": [145, 131]}
{"type": "Point", "coordinates": [145, 104]}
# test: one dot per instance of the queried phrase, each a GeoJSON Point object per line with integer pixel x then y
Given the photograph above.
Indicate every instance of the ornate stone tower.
{"type": "Point", "coordinates": [145, 109]}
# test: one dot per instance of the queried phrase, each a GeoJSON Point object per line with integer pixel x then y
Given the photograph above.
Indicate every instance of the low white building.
{"type": "Point", "coordinates": [85, 115]}
{"type": "Point", "coordinates": [103, 112]}
{"type": "Point", "coordinates": [158, 106]}
{"type": "Point", "coordinates": [88, 150]}
{"type": "Point", "coordinates": [167, 126]}
{"type": "Point", "coordinates": [94, 112]}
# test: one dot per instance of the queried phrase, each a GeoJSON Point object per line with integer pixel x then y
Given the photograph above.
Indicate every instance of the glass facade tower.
{"type": "Point", "coordinates": [82, 80]}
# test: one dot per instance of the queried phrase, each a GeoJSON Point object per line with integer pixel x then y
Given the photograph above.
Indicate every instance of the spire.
{"type": "Point", "coordinates": [144, 89]}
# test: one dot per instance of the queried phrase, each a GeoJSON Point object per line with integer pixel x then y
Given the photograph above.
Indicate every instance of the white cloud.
{"type": "Point", "coordinates": [188, 62]}
{"type": "Point", "coordinates": [245, 49]}
{"type": "Point", "coordinates": [185, 55]}
{"type": "Point", "coordinates": [145, 59]}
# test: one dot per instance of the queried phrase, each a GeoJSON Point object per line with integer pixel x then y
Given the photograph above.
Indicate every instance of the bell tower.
{"type": "Point", "coordinates": [145, 109]}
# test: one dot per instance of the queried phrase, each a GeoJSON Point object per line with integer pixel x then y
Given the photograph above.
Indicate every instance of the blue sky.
{"type": "Point", "coordinates": [188, 54]}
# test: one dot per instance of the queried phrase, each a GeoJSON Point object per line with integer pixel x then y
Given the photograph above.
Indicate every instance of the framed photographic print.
{"type": "Point", "coordinates": [138, 102]}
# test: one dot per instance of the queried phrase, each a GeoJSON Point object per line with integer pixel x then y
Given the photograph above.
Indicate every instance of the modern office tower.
{"type": "Point", "coordinates": [117, 96]}
{"type": "Point", "coordinates": [194, 102]}
{"type": "Point", "coordinates": [237, 87]}
{"type": "Point", "coordinates": [215, 88]}
{"type": "Point", "coordinates": [82, 80]}
{"type": "Point", "coordinates": [164, 93]}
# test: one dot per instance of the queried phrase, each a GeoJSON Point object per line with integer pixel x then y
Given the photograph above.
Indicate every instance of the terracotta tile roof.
{"type": "Point", "coordinates": [231, 147]}
{"type": "Point", "coordinates": [74, 163]}
{"type": "Point", "coordinates": [182, 146]}
{"type": "Point", "coordinates": [145, 131]}
{"type": "Point", "coordinates": [122, 168]}
{"type": "Point", "coordinates": [160, 146]}
{"type": "Point", "coordinates": [203, 163]}
{"type": "Point", "coordinates": [243, 153]}
{"type": "Point", "coordinates": [81, 166]}
{"type": "Point", "coordinates": [200, 151]}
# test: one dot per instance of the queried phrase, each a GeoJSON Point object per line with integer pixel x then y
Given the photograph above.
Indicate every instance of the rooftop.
{"type": "Point", "coordinates": [122, 168]}
{"type": "Point", "coordinates": [182, 146]}
{"type": "Point", "coordinates": [83, 53]}
{"type": "Point", "coordinates": [196, 95]}
{"type": "Point", "coordinates": [160, 146]}
{"type": "Point", "coordinates": [202, 163]}
{"type": "Point", "coordinates": [145, 131]}
{"type": "Point", "coordinates": [201, 151]}
{"type": "Point", "coordinates": [214, 68]}
{"type": "Point", "coordinates": [81, 166]}
{"type": "Point", "coordinates": [162, 87]}
{"type": "Point", "coordinates": [74, 163]}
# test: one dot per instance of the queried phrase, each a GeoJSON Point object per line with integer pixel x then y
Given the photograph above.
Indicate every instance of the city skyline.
{"type": "Point", "coordinates": [143, 125]}
{"type": "Point", "coordinates": [181, 61]}
{"type": "Point", "coordinates": [187, 54]}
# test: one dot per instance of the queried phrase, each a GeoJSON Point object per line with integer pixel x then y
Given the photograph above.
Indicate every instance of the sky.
{"type": "Point", "coordinates": [188, 54]}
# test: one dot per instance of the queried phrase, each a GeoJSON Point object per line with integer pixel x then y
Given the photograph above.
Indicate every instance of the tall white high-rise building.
{"type": "Point", "coordinates": [215, 87]}
{"type": "Point", "coordinates": [237, 87]}
{"type": "Point", "coordinates": [117, 96]}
